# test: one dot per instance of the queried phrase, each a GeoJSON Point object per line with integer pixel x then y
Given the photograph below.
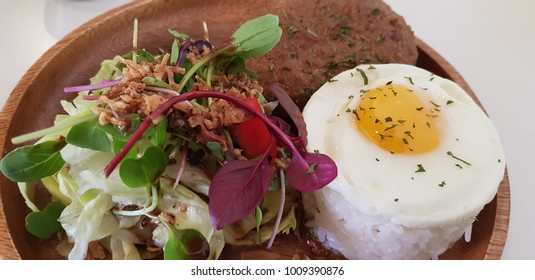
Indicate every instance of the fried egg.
{"type": "Point", "coordinates": [409, 145]}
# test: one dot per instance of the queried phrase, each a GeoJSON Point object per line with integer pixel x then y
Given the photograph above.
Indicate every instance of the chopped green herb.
{"type": "Point", "coordinates": [419, 108]}
{"type": "Point", "coordinates": [389, 83]}
{"type": "Point", "coordinates": [333, 80]}
{"type": "Point", "coordinates": [409, 134]}
{"type": "Point", "coordinates": [376, 159]}
{"type": "Point", "coordinates": [388, 119]}
{"type": "Point", "coordinates": [499, 160]}
{"type": "Point", "coordinates": [351, 96]}
{"type": "Point", "coordinates": [384, 136]}
{"type": "Point", "coordinates": [405, 141]}
{"type": "Point", "coordinates": [356, 114]}
{"type": "Point", "coordinates": [371, 67]}
{"type": "Point", "coordinates": [396, 199]}
{"type": "Point", "coordinates": [316, 151]}
{"type": "Point", "coordinates": [291, 30]}
{"type": "Point", "coordinates": [428, 124]}
{"type": "Point", "coordinates": [442, 184]}
{"type": "Point", "coordinates": [365, 60]}
{"type": "Point", "coordinates": [345, 29]}
{"type": "Point", "coordinates": [363, 74]}
{"type": "Point", "coordinates": [434, 104]}
{"type": "Point", "coordinates": [376, 11]}
{"type": "Point", "coordinates": [410, 80]}
{"type": "Point", "coordinates": [457, 158]}
{"type": "Point", "coordinates": [449, 102]}
{"type": "Point", "coordinates": [458, 165]}
{"type": "Point", "coordinates": [391, 127]}
{"type": "Point", "coordinates": [420, 169]}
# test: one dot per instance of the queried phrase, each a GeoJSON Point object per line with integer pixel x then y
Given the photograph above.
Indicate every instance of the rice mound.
{"type": "Point", "coordinates": [344, 229]}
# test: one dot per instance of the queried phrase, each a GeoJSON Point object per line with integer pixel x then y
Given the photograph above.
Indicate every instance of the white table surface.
{"type": "Point", "coordinates": [491, 43]}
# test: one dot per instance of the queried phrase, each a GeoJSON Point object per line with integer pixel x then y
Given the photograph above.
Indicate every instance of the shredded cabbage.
{"type": "Point", "coordinates": [86, 223]}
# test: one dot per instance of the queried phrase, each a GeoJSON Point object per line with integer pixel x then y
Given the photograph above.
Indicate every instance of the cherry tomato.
{"type": "Point", "coordinates": [253, 136]}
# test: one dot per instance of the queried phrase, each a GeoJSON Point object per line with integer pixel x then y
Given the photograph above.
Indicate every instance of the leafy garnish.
{"type": "Point", "coordinates": [89, 135]}
{"type": "Point", "coordinates": [45, 223]}
{"type": "Point", "coordinates": [256, 37]}
{"type": "Point", "coordinates": [236, 189]}
{"type": "Point", "coordinates": [188, 244]}
{"type": "Point", "coordinates": [293, 112]}
{"type": "Point", "coordinates": [215, 149]}
{"type": "Point", "coordinates": [31, 163]}
{"type": "Point", "coordinates": [144, 171]}
{"type": "Point", "coordinates": [258, 215]}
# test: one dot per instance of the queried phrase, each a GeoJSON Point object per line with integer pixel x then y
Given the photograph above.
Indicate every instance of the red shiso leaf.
{"type": "Point", "coordinates": [293, 112]}
{"type": "Point", "coordinates": [236, 189]}
{"type": "Point", "coordinates": [311, 171]}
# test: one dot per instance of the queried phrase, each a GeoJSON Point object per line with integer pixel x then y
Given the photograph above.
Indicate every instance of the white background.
{"type": "Point", "coordinates": [491, 43]}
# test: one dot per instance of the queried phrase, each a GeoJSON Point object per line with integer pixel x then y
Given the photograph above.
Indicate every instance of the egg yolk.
{"type": "Point", "coordinates": [394, 118]}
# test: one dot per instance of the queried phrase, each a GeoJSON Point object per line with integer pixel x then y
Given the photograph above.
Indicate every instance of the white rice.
{"type": "Point", "coordinates": [343, 229]}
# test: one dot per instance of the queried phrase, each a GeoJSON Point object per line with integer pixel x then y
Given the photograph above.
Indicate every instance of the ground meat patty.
{"type": "Point", "coordinates": [322, 38]}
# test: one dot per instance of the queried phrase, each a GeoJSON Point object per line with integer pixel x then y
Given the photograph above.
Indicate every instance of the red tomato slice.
{"type": "Point", "coordinates": [253, 136]}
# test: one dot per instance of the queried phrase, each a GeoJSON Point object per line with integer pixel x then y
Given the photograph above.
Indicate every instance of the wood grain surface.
{"type": "Point", "coordinates": [35, 101]}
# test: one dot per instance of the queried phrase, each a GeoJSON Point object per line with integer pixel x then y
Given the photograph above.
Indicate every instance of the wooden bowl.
{"type": "Point", "coordinates": [35, 101]}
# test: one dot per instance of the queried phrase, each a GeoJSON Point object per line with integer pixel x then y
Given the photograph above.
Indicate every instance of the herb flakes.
{"type": "Point", "coordinates": [420, 169]}
{"type": "Point", "coordinates": [363, 74]}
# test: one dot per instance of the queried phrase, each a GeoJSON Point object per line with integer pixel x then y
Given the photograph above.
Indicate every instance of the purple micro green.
{"type": "Point", "coordinates": [293, 112]}
{"type": "Point", "coordinates": [90, 97]}
{"type": "Point", "coordinates": [183, 49]}
{"type": "Point", "coordinates": [76, 89]}
{"type": "Point", "coordinates": [236, 189]}
{"type": "Point", "coordinates": [183, 156]}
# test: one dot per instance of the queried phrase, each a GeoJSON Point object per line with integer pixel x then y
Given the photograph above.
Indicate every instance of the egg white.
{"type": "Point", "coordinates": [378, 182]}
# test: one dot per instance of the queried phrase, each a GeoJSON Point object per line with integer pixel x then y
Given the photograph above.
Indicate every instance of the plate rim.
{"type": "Point", "coordinates": [8, 249]}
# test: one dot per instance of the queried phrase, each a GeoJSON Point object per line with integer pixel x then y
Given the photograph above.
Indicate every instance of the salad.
{"type": "Point", "coordinates": [170, 155]}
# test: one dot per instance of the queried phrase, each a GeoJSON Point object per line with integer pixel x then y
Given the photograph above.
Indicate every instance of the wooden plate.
{"type": "Point", "coordinates": [35, 101]}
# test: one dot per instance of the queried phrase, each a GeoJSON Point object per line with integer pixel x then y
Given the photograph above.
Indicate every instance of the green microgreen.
{"type": "Point", "coordinates": [89, 135]}
{"type": "Point", "coordinates": [143, 171]}
{"type": "Point", "coordinates": [33, 162]}
{"type": "Point", "coordinates": [44, 224]}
